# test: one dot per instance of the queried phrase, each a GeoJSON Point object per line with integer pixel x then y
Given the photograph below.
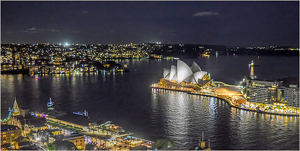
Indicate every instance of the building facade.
{"type": "Point", "coordinates": [260, 91]}
{"type": "Point", "coordinates": [9, 133]}
{"type": "Point", "coordinates": [289, 95]}
{"type": "Point", "coordinates": [282, 91]}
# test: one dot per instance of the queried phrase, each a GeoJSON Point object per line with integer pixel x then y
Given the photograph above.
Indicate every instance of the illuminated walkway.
{"type": "Point", "coordinates": [227, 98]}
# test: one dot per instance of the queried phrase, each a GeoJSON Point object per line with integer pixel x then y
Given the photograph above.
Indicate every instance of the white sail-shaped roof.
{"type": "Point", "coordinates": [184, 71]}
{"type": "Point", "coordinates": [166, 72]}
{"type": "Point", "coordinates": [195, 67]}
{"type": "Point", "coordinates": [173, 72]}
{"type": "Point", "coordinates": [199, 75]}
{"type": "Point", "coordinates": [167, 77]}
{"type": "Point", "coordinates": [174, 77]}
{"type": "Point", "coordinates": [190, 79]}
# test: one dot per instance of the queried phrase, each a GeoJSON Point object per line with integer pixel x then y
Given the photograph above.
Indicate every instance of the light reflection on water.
{"type": "Point", "coordinates": [128, 101]}
{"type": "Point", "coordinates": [186, 115]}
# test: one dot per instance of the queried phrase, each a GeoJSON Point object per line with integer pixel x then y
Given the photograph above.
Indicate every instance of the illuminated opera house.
{"type": "Point", "coordinates": [183, 75]}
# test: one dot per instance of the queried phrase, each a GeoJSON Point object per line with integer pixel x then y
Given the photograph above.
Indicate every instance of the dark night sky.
{"type": "Point", "coordinates": [217, 23]}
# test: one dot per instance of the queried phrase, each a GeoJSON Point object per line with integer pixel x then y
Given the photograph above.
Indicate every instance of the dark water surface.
{"type": "Point", "coordinates": [128, 101]}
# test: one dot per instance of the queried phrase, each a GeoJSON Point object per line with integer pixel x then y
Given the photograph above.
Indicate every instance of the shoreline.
{"type": "Point", "coordinates": [262, 112]}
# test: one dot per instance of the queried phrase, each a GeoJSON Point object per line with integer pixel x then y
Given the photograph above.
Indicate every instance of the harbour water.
{"type": "Point", "coordinates": [128, 101]}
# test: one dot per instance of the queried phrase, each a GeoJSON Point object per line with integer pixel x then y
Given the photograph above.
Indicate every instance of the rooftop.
{"type": "Point", "coordinates": [70, 117]}
{"type": "Point", "coordinates": [5, 127]}
{"type": "Point", "coordinates": [289, 80]}
{"type": "Point", "coordinates": [32, 120]}
{"type": "Point", "coordinates": [73, 136]}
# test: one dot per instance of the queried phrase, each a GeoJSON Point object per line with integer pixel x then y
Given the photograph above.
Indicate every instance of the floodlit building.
{"type": "Point", "coordinates": [77, 140]}
{"type": "Point", "coordinates": [284, 91]}
{"type": "Point", "coordinates": [288, 93]}
{"type": "Point", "coordinates": [9, 133]}
{"type": "Point", "coordinates": [25, 121]}
{"type": "Point", "coordinates": [262, 91]}
{"type": "Point", "coordinates": [183, 74]}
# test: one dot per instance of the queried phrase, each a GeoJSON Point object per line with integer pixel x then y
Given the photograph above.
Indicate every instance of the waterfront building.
{"type": "Point", "coordinates": [262, 91]}
{"type": "Point", "coordinates": [68, 119]}
{"type": "Point", "coordinates": [284, 91]}
{"type": "Point", "coordinates": [183, 74]}
{"type": "Point", "coordinates": [77, 140]}
{"type": "Point", "coordinates": [27, 122]}
{"type": "Point", "coordinates": [16, 110]}
{"type": "Point", "coordinates": [288, 92]}
{"type": "Point", "coordinates": [9, 133]}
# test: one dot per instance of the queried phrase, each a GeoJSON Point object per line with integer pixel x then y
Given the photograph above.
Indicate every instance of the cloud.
{"type": "Point", "coordinates": [210, 13]}
{"type": "Point", "coordinates": [9, 32]}
{"type": "Point", "coordinates": [53, 30]}
{"type": "Point", "coordinates": [32, 30]}
{"type": "Point", "coordinates": [35, 30]}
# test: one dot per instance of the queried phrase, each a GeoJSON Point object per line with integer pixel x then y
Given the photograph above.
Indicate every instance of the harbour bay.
{"type": "Point", "coordinates": [127, 100]}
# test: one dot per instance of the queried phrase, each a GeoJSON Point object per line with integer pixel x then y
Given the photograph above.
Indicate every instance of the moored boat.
{"type": "Point", "coordinates": [202, 144]}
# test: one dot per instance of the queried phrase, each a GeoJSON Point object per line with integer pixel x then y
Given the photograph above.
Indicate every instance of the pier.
{"type": "Point", "coordinates": [227, 98]}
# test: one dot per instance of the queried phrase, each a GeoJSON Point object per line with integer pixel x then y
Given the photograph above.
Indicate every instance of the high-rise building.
{"type": "Point", "coordinates": [289, 91]}
{"type": "Point", "coordinates": [285, 91]}
{"type": "Point", "coordinates": [8, 134]}
{"type": "Point", "coordinates": [262, 91]}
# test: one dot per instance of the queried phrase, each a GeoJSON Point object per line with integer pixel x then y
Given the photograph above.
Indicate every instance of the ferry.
{"type": "Point", "coordinates": [50, 105]}
{"type": "Point", "coordinates": [252, 63]}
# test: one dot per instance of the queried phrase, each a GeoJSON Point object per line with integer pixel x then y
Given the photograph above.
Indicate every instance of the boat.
{"type": "Point", "coordinates": [36, 77]}
{"type": "Point", "coordinates": [252, 63]}
{"type": "Point", "coordinates": [201, 145]}
{"type": "Point", "coordinates": [50, 105]}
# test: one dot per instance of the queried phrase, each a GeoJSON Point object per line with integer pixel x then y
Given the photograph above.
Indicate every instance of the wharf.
{"type": "Point", "coordinates": [171, 89]}
{"type": "Point", "coordinates": [18, 71]}
{"type": "Point", "coordinates": [229, 102]}
{"type": "Point", "coordinates": [258, 111]}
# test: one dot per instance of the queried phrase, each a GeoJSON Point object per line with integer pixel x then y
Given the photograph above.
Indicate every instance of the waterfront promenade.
{"type": "Point", "coordinates": [228, 99]}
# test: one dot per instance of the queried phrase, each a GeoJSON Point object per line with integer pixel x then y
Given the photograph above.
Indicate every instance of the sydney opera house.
{"type": "Point", "coordinates": [182, 74]}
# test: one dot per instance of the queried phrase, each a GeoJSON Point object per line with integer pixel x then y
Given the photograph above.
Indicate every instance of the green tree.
{"type": "Point", "coordinates": [115, 145]}
{"type": "Point", "coordinates": [51, 146]}
{"type": "Point", "coordinates": [162, 143]}
{"type": "Point", "coordinates": [90, 146]}
{"type": "Point", "coordinates": [64, 145]}
{"type": "Point", "coordinates": [30, 136]}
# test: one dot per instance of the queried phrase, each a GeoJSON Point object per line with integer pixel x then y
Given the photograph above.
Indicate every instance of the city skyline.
{"type": "Point", "coordinates": [214, 23]}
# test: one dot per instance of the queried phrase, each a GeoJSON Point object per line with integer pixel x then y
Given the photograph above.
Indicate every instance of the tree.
{"type": "Point", "coordinates": [162, 143]}
{"type": "Point", "coordinates": [65, 145]}
{"type": "Point", "coordinates": [51, 146]}
{"type": "Point", "coordinates": [90, 146]}
{"type": "Point", "coordinates": [115, 145]}
{"type": "Point", "coordinates": [30, 136]}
